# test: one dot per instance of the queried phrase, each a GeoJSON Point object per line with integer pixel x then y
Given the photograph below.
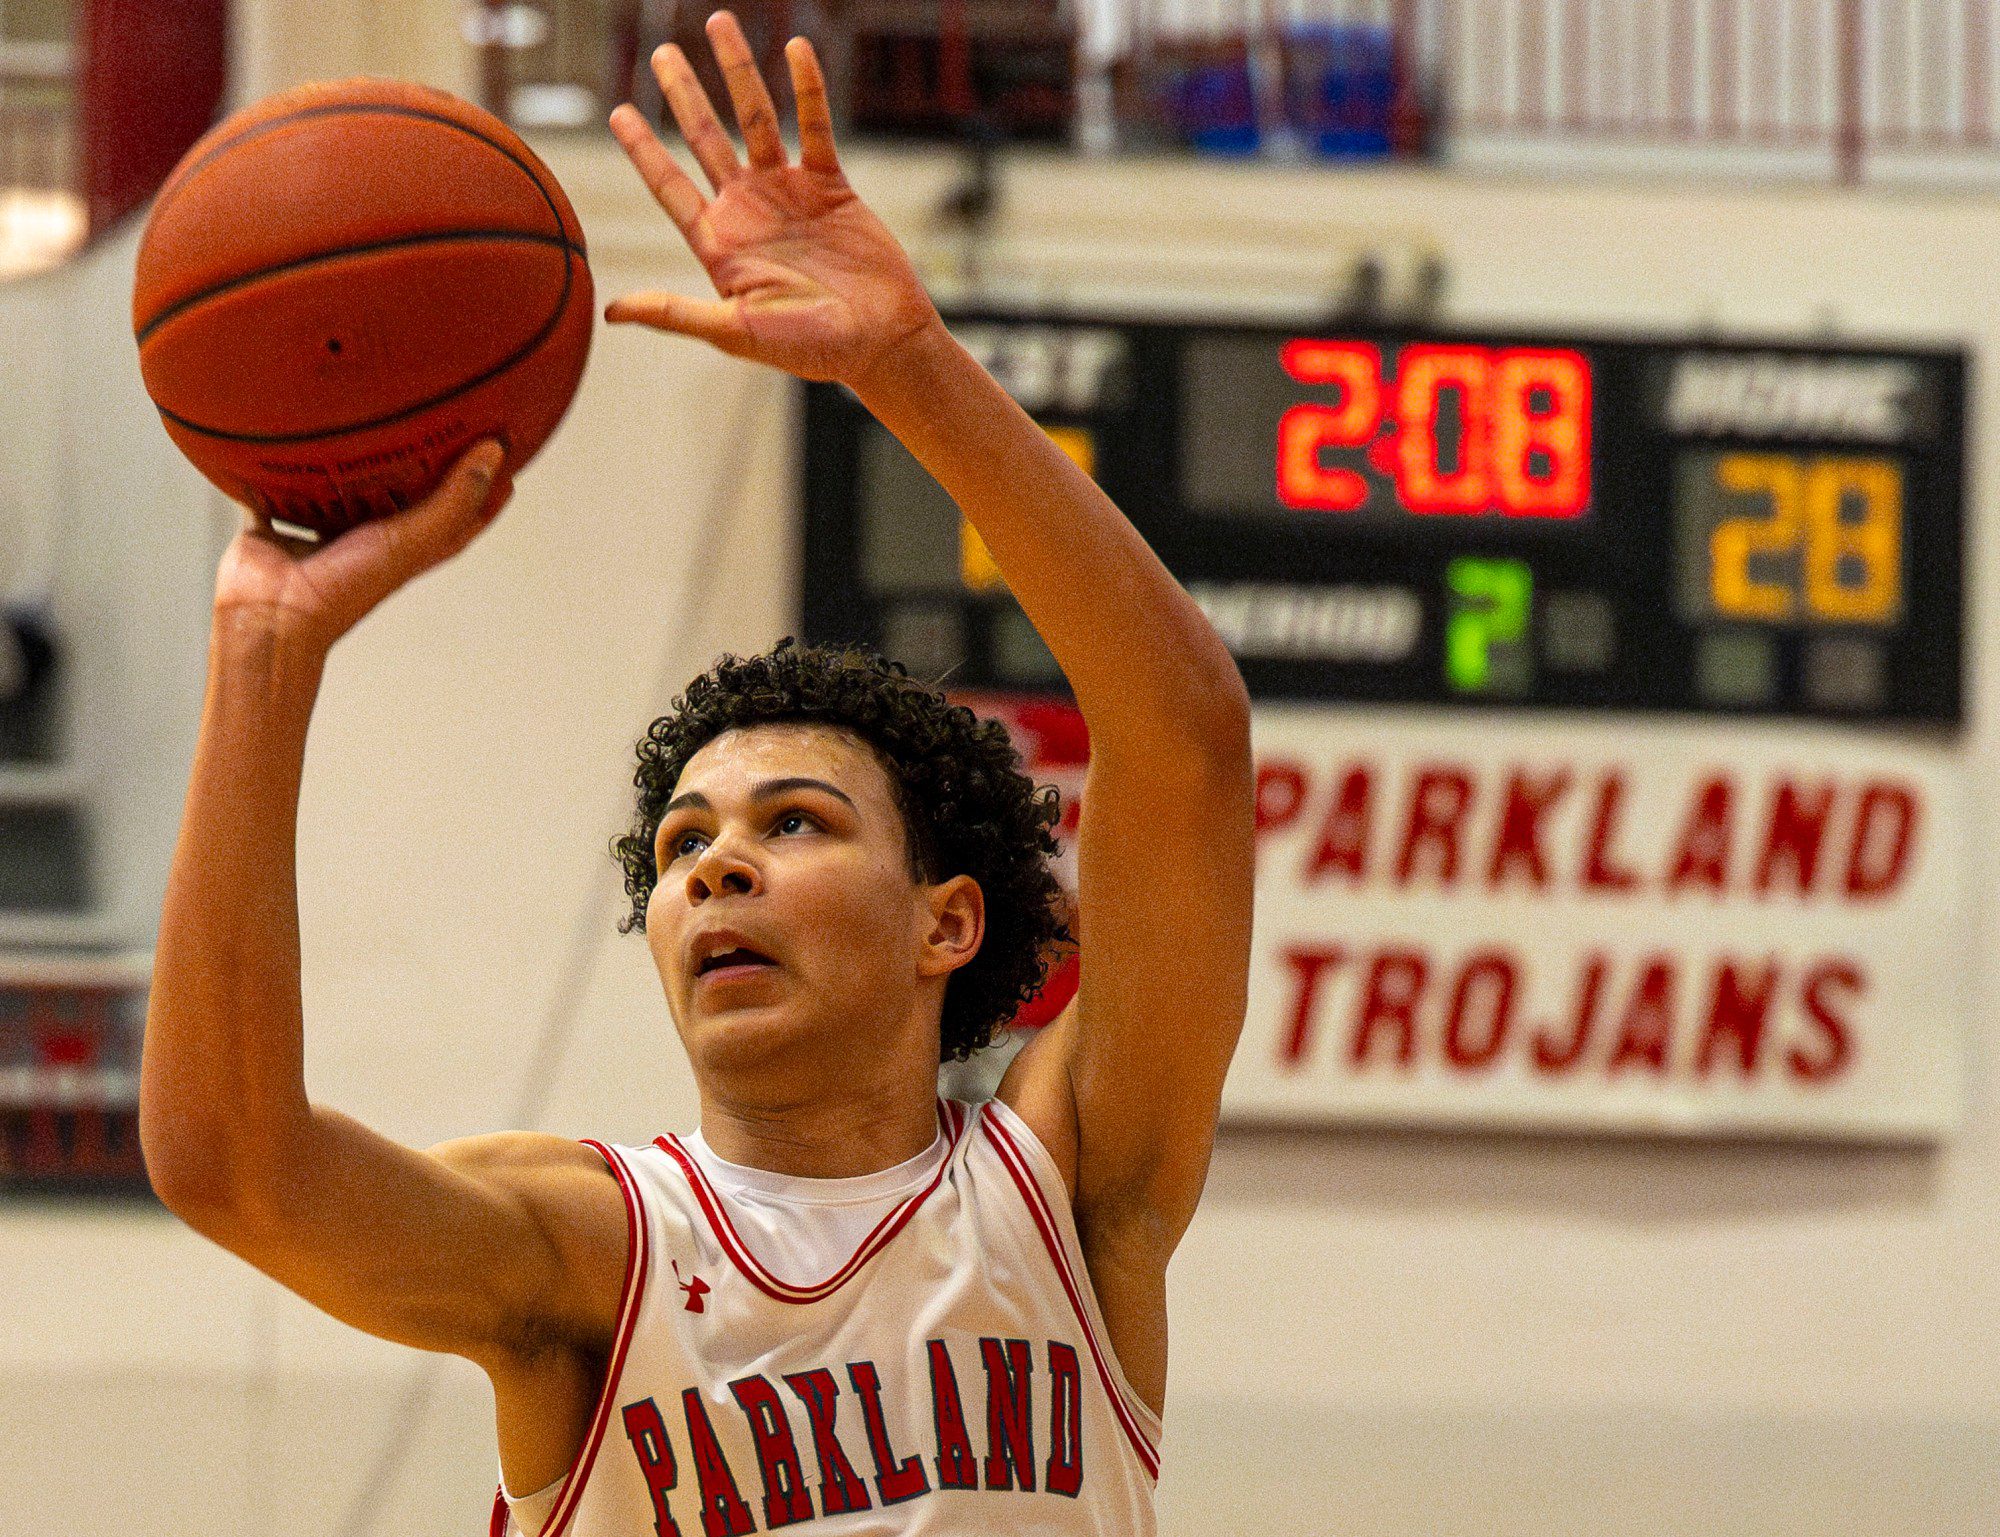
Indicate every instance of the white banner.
{"type": "Point", "coordinates": [1558, 922]}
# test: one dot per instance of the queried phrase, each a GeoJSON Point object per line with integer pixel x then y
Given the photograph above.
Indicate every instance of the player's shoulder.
{"type": "Point", "coordinates": [570, 1196]}
{"type": "Point", "coordinates": [563, 1183]}
{"type": "Point", "coordinates": [521, 1151]}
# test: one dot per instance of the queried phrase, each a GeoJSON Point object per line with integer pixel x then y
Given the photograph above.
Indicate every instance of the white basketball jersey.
{"type": "Point", "coordinates": [952, 1375]}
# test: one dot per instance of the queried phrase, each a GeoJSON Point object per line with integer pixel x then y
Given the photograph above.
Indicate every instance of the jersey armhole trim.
{"type": "Point", "coordinates": [637, 1259]}
{"type": "Point", "coordinates": [1132, 1414]}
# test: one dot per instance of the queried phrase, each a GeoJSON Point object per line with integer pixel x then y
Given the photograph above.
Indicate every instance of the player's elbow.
{"type": "Point", "coordinates": [1213, 735]}
{"type": "Point", "coordinates": [1203, 719]}
{"type": "Point", "coordinates": [1227, 715]}
{"type": "Point", "coordinates": [182, 1166]}
{"type": "Point", "coordinates": [199, 1171]}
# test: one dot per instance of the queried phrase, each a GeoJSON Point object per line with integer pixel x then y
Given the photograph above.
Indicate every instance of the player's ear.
{"type": "Point", "coordinates": [957, 924]}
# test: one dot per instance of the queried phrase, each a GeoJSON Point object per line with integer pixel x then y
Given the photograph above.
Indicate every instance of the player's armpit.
{"type": "Point", "coordinates": [492, 1248]}
{"type": "Point", "coordinates": [1165, 871]}
{"type": "Point", "coordinates": [1125, 1246]}
{"type": "Point", "coordinates": [1123, 1086]}
{"type": "Point", "coordinates": [1036, 1087]}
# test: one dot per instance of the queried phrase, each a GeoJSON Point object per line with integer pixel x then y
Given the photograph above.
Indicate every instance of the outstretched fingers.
{"type": "Point", "coordinates": [672, 188]}
{"type": "Point", "coordinates": [816, 151]}
{"type": "Point", "coordinates": [756, 113]}
{"type": "Point", "coordinates": [692, 110]}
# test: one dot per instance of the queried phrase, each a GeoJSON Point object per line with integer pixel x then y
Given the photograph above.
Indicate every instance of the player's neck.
{"type": "Point", "coordinates": [861, 1130]}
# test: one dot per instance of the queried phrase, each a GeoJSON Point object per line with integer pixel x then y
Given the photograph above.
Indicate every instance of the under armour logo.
{"type": "Point", "coordinates": [695, 1289]}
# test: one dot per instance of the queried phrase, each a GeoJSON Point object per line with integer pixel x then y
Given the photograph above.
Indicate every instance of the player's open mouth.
{"type": "Point", "coordinates": [741, 961]}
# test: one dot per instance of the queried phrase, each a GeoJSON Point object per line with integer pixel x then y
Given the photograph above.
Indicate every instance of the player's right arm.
{"type": "Point", "coordinates": [449, 1249]}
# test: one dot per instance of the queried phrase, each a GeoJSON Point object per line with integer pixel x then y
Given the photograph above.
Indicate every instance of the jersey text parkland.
{"type": "Point", "coordinates": [951, 1375]}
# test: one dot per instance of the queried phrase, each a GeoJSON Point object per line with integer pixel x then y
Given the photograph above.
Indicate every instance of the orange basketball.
{"type": "Point", "coordinates": [344, 286]}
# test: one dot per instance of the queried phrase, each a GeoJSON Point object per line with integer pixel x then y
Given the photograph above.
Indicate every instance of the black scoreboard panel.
{"type": "Point", "coordinates": [1700, 526]}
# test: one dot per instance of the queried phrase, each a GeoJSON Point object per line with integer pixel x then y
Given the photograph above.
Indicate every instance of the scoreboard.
{"type": "Point", "coordinates": [1606, 523]}
{"type": "Point", "coordinates": [1607, 700]}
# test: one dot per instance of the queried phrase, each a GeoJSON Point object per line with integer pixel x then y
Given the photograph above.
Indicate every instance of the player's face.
{"type": "Point", "coordinates": [785, 901]}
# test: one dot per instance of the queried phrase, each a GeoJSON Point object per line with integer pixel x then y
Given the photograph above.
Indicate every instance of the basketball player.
{"type": "Point", "coordinates": [842, 1303]}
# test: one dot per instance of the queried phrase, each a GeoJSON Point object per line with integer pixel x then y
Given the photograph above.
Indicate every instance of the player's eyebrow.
{"type": "Point", "coordinates": [772, 788]}
{"type": "Point", "coordinates": [693, 798]}
{"type": "Point", "coordinates": [767, 790]}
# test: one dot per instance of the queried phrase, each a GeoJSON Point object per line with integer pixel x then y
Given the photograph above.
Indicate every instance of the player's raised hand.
{"type": "Point", "coordinates": [809, 279]}
{"type": "Point", "coordinates": [314, 595]}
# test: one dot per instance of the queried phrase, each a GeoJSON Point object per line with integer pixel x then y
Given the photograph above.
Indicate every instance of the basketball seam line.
{"type": "Point", "coordinates": [540, 336]}
{"type": "Point", "coordinates": [503, 236]}
{"type": "Point", "coordinates": [335, 109]}
{"type": "Point", "coordinates": [547, 330]}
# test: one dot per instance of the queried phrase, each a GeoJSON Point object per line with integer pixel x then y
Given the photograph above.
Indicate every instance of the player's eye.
{"type": "Point", "coordinates": [684, 844]}
{"type": "Point", "coordinates": [793, 821]}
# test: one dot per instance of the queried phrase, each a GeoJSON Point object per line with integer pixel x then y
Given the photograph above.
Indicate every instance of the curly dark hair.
{"type": "Point", "coordinates": [967, 807]}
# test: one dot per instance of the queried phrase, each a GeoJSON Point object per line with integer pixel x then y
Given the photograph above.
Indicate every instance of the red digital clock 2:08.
{"type": "Point", "coordinates": [1523, 447]}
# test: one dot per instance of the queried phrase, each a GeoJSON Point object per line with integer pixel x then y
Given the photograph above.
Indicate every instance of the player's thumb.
{"type": "Point", "coordinates": [363, 566]}
{"type": "Point", "coordinates": [719, 322]}
{"type": "Point", "coordinates": [447, 520]}
{"type": "Point", "coordinates": [461, 496]}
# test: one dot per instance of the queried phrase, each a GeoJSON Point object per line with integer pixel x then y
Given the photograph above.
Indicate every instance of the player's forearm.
{"type": "Point", "coordinates": [1131, 641]}
{"type": "Point", "coordinates": [223, 1080]}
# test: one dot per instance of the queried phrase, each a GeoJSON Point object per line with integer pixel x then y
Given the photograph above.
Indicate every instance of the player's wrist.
{"type": "Point", "coordinates": [270, 640]}
{"type": "Point", "coordinates": [903, 365]}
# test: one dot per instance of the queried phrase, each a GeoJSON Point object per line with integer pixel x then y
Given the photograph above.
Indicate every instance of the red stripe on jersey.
{"type": "Point", "coordinates": [878, 1238]}
{"type": "Point", "coordinates": [502, 1514]}
{"type": "Point", "coordinates": [636, 1260]}
{"type": "Point", "coordinates": [1031, 1193]}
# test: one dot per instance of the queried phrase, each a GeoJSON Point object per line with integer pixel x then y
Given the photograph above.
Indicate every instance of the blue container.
{"type": "Point", "coordinates": [1213, 107]}
{"type": "Point", "coordinates": [1340, 88]}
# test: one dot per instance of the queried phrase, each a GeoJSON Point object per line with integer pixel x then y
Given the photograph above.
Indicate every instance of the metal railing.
{"type": "Point", "coordinates": [42, 219]}
{"type": "Point", "coordinates": [37, 117]}
{"type": "Point", "coordinates": [1852, 77]}
{"type": "Point", "coordinates": [1849, 80]}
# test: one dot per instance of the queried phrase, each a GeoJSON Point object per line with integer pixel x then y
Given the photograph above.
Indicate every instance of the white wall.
{"type": "Point", "coordinates": [1393, 1334]}
{"type": "Point", "coordinates": [100, 519]}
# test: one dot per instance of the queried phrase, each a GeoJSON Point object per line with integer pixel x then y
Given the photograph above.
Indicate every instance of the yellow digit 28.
{"type": "Point", "coordinates": [1808, 501]}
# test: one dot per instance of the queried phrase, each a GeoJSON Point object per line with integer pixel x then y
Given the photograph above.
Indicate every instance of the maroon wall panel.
{"type": "Point", "coordinates": [151, 76]}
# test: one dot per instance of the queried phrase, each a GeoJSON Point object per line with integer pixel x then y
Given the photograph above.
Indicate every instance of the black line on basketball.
{"type": "Point", "coordinates": [547, 330]}
{"type": "Point", "coordinates": [336, 109]}
{"type": "Point", "coordinates": [440, 237]}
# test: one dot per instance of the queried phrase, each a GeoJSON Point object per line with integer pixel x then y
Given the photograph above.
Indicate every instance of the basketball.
{"type": "Point", "coordinates": [345, 285]}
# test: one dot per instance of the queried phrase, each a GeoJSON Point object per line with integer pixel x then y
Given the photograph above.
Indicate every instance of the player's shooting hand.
{"type": "Point", "coordinates": [809, 280]}
{"type": "Point", "coordinates": [312, 595]}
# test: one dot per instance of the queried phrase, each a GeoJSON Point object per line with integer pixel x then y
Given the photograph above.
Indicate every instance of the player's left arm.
{"type": "Point", "coordinates": [1124, 1089]}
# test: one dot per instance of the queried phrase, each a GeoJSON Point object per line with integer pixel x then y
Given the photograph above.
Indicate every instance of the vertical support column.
{"type": "Point", "coordinates": [1407, 126]}
{"type": "Point", "coordinates": [149, 81]}
{"type": "Point", "coordinates": [1976, 112]}
{"type": "Point", "coordinates": [495, 74]}
{"type": "Point", "coordinates": [276, 44]}
{"type": "Point", "coordinates": [955, 61]}
{"type": "Point", "coordinates": [1849, 43]}
{"type": "Point", "coordinates": [422, 42]}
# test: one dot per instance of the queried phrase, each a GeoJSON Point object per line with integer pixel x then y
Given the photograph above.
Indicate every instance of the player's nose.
{"type": "Point", "coordinates": [722, 869]}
